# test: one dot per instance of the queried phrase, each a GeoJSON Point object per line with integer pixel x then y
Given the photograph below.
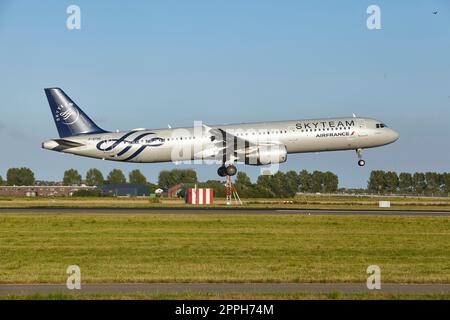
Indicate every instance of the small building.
{"type": "Point", "coordinates": [125, 190]}
{"type": "Point", "coordinates": [40, 191]}
{"type": "Point", "coordinates": [199, 196]}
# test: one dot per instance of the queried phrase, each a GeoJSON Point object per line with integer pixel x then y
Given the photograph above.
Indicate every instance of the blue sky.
{"type": "Point", "coordinates": [153, 63]}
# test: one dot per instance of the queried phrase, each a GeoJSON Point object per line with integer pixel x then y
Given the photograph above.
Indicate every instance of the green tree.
{"type": "Point", "coordinates": [94, 177]}
{"type": "Point", "coordinates": [419, 183]}
{"type": "Point", "coordinates": [391, 182]}
{"type": "Point", "coordinates": [276, 184]}
{"type": "Point", "coordinates": [263, 186]}
{"type": "Point", "coordinates": [244, 185]}
{"type": "Point", "coordinates": [376, 182]}
{"type": "Point", "coordinates": [317, 181]}
{"type": "Point", "coordinates": [433, 181]}
{"type": "Point", "coordinates": [446, 183]}
{"type": "Point", "coordinates": [262, 192]}
{"type": "Point", "coordinates": [292, 183]}
{"type": "Point", "coordinates": [136, 177]}
{"type": "Point", "coordinates": [1, 181]}
{"type": "Point", "coordinates": [405, 182]}
{"type": "Point", "coordinates": [72, 178]}
{"type": "Point", "coordinates": [330, 182]}
{"type": "Point", "coordinates": [165, 179]}
{"type": "Point", "coordinates": [216, 185]}
{"type": "Point", "coordinates": [170, 178]}
{"type": "Point", "coordinates": [116, 176]}
{"type": "Point", "coordinates": [20, 177]}
{"type": "Point", "coordinates": [305, 181]}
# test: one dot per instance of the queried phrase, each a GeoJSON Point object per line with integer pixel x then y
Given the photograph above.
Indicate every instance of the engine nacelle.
{"type": "Point", "coordinates": [265, 155]}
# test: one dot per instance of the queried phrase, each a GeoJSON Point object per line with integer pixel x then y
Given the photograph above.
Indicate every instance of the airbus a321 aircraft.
{"type": "Point", "coordinates": [262, 143]}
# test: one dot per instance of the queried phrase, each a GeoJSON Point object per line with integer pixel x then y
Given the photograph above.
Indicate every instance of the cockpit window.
{"type": "Point", "coordinates": [381, 125]}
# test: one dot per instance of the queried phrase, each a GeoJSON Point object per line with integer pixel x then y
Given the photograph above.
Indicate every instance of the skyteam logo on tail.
{"type": "Point", "coordinates": [67, 114]}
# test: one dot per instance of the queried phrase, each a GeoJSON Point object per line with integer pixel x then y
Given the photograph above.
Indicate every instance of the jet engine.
{"type": "Point", "coordinates": [264, 155]}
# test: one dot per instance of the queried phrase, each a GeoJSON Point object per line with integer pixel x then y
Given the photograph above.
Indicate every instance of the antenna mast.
{"type": "Point", "coordinates": [231, 192]}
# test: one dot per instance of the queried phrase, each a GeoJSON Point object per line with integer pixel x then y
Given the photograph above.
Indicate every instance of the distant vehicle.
{"type": "Point", "coordinates": [259, 143]}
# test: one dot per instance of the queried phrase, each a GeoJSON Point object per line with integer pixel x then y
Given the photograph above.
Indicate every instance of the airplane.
{"type": "Point", "coordinates": [263, 143]}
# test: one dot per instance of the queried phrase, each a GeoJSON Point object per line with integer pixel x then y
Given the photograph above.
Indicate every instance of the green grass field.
{"type": "Point", "coordinates": [37, 248]}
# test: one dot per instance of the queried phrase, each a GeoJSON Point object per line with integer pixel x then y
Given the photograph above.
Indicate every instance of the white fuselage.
{"type": "Point", "coordinates": [181, 144]}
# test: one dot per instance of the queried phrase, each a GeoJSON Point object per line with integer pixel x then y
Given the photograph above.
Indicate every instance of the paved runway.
{"type": "Point", "coordinates": [191, 210]}
{"type": "Point", "coordinates": [202, 288]}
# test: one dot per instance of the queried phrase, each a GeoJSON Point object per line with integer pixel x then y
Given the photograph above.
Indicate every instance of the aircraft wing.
{"type": "Point", "coordinates": [227, 144]}
{"type": "Point", "coordinates": [226, 139]}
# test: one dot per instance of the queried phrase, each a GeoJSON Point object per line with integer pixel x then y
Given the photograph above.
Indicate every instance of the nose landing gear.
{"type": "Point", "coordinates": [361, 162]}
{"type": "Point", "coordinates": [224, 171]}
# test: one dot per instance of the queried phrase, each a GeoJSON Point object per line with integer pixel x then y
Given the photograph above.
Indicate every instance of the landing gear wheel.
{"type": "Point", "coordinates": [361, 162]}
{"type": "Point", "coordinates": [231, 170]}
{"type": "Point", "coordinates": [222, 171]}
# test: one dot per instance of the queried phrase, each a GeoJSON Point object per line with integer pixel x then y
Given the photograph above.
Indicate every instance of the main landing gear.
{"type": "Point", "coordinates": [224, 171]}
{"type": "Point", "coordinates": [361, 162]}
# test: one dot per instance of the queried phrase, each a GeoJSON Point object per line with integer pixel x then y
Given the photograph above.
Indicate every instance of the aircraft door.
{"type": "Point", "coordinates": [362, 128]}
{"type": "Point", "coordinates": [292, 134]}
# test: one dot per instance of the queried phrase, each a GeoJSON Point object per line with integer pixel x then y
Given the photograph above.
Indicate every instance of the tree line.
{"type": "Point", "coordinates": [94, 177]}
{"type": "Point", "coordinates": [418, 183]}
{"type": "Point", "coordinates": [286, 185]}
{"type": "Point", "coordinates": [278, 185]}
{"type": "Point", "coordinates": [281, 185]}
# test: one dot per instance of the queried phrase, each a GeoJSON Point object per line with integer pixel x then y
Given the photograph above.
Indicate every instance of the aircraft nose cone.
{"type": "Point", "coordinates": [394, 135]}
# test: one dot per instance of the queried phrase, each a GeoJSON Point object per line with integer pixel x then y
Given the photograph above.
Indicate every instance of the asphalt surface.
{"type": "Point", "coordinates": [190, 210]}
{"type": "Point", "coordinates": [202, 288]}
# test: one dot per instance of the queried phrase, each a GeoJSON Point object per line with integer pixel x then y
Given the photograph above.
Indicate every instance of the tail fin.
{"type": "Point", "coordinates": [70, 120]}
